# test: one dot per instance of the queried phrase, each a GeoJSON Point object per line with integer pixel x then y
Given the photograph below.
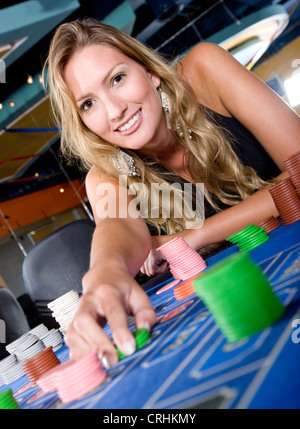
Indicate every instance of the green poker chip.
{"type": "Point", "coordinates": [249, 237]}
{"type": "Point", "coordinates": [141, 336]}
{"type": "Point", "coordinates": [7, 401]}
{"type": "Point", "coordinates": [239, 296]}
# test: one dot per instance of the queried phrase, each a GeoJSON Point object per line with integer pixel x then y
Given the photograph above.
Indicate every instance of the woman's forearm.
{"type": "Point", "coordinates": [220, 226]}
{"type": "Point", "coordinates": [117, 244]}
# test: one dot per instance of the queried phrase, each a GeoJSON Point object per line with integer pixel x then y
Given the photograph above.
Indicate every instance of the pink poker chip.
{"type": "Point", "coordinates": [184, 261]}
{"type": "Point", "coordinates": [168, 286]}
{"type": "Point", "coordinates": [80, 377]}
{"type": "Point", "coordinates": [48, 381]}
{"type": "Point", "coordinates": [74, 379]}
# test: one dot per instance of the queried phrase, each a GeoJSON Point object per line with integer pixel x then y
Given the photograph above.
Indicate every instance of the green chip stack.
{"type": "Point", "coordinates": [239, 296]}
{"type": "Point", "coordinates": [141, 337]}
{"type": "Point", "coordinates": [249, 237]}
{"type": "Point", "coordinates": [7, 401]}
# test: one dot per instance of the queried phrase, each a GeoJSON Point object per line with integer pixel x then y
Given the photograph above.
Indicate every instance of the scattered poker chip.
{"type": "Point", "coordinates": [270, 223]}
{"type": "Point", "coordinates": [183, 260]}
{"type": "Point", "coordinates": [286, 201]}
{"type": "Point", "coordinates": [7, 401]}
{"type": "Point", "coordinates": [40, 363]}
{"type": "Point", "coordinates": [239, 296]}
{"type": "Point", "coordinates": [141, 336]}
{"type": "Point", "coordinates": [184, 290]}
{"type": "Point", "coordinates": [168, 286]}
{"type": "Point", "coordinates": [64, 309]}
{"type": "Point", "coordinates": [248, 238]}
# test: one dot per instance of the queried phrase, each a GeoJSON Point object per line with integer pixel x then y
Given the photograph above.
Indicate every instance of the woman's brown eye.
{"type": "Point", "coordinates": [117, 79]}
{"type": "Point", "coordinates": [86, 105]}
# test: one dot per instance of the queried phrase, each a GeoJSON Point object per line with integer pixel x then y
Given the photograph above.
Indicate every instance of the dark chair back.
{"type": "Point", "coordinates": [13, 322]}
{"type": "Point", "coordinates": [56, 265]}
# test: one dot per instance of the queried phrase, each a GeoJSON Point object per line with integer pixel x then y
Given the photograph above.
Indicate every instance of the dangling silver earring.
{"type": "Point", "coordinates": [130, 162]}
{"type": "Point", "coordinates": [165, 105]}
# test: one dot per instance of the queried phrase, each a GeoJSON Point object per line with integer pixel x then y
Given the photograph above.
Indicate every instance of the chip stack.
{"type": "Point", "coordinates": [7, 366]}
{"type": "Point", "coordinates": [286, 201]}
{"type": "Point", "coordinates": [184, 261]}
{"type": "Point", "coordinates": [248, 238]}
{"type": "Point", "coordinates": [52, 338]}
{"type": "Point", "coordinates": [184, 290]}
{"type": "Point", "coordinates": [293, 167]}
{"type": "Point", "coordinates": [64, 309]}
{"type": "Point", "coordinates": [75, 379]}
{"type": "Point", "coordinates": [25, 347]}
{"type": "Point", "coordinates": [269, 224]}
{"type": "Point", "coordinates": [7, 401]}
{"type": "Point", "coordinates": [239, 296]}
{"type": "Point", "coordinates": [39, 364]}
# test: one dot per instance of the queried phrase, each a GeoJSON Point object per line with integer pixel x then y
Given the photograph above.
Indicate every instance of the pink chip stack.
{"type": "Point", "coordinates": [184, 261]}
{"type": "Point", "coordinates": [74, 379]}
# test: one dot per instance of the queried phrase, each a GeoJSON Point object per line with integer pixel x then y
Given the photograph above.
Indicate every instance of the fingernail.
{"type": "Point", "coordinates": [145, 325]}
{"type": "Point", "coordinates": [128, 347]}
{"type": "Point", "coordinates": [108, 361]}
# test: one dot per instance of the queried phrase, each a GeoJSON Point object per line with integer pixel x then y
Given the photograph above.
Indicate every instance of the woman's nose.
{"type": "Point", "coordinates": [115, 108]}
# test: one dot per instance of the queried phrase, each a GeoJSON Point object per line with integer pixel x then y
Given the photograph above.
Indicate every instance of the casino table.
{"type": "Point", "coordinates": [187, 362]}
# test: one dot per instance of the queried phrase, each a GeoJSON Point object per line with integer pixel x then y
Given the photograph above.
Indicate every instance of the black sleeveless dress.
{"type": "Point", "coordinates": [250, 152]}
{"type": "Point", "coordinates": [248, 149]}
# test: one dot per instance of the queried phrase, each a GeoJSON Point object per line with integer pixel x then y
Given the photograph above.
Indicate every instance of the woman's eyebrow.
{"type": "Point", "coordinates": [105, 77]}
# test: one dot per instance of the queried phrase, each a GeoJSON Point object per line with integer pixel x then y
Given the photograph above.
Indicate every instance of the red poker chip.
{"type": "Point", "coordinates": [270, 224]}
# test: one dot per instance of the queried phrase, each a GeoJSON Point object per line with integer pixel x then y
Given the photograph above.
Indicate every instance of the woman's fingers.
{"type": "Point", "coordinates": [86, 331]}
{"type": "Point", "coordinates": [112, 304]}
{"type": "Point", "coordinates": [154, 264]}
{"type": "Point", "coordinates": [142, 309]}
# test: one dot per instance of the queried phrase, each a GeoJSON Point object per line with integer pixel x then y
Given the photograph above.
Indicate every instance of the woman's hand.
{"type": "Point", "coordinates": [116, 296]}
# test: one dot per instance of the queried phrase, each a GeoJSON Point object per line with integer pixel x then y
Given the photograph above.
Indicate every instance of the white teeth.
{"type": "Point", "coordinates": [131, 122]}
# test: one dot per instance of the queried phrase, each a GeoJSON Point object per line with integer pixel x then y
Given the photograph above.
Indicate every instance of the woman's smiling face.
{"type": "Point", "coordinates": [116, 97]}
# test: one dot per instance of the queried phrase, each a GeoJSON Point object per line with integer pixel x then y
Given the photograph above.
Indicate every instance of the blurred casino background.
{"type": "Point", "coordinates": [39, 190]}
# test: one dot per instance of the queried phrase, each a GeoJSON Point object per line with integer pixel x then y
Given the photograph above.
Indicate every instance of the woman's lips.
{"type": "Point", "coordinates": [133, 124]}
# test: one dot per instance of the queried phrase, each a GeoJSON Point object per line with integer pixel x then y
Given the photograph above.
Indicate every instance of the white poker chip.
{"type": "Point", "coordinates": [64, 309]}
{"type": "Point", "coordinates": [53, 338]}
{"type": "Point", "coordinates": [32, 350]}
{"type": "Point", "coordinates": [7, 362]}
{"type": "Point", "coordinates": [39, 330]}
{"type": "Point", "coordinates": [22, 343]}
{"type": "Point", "coordinates": [13, 373]}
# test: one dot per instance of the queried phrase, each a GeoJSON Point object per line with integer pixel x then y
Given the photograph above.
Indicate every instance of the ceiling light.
{"type": "Point", "coordinates": [12, 104]}
{"type": "Point", "coordinates": [30, 80]}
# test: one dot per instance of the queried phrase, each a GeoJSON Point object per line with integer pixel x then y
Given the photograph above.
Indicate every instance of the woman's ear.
{"type": "Point", "coordinates": [154, 78]}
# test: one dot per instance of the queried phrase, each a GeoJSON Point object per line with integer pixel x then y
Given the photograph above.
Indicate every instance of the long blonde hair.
{"type": "Point", "coordinates": [210, 158]}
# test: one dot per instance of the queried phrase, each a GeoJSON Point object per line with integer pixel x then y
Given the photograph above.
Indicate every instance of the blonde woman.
{"type": "Point", "coordinates": [127, 114]}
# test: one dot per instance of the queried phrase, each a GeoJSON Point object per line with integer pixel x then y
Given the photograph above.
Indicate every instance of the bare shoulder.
{"type": "Point", "coordinates": [204, 67]}
{"type": "Point", "coordinates": [93, 179]}
{"type": "Point", "coordinates": [203, 53]}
